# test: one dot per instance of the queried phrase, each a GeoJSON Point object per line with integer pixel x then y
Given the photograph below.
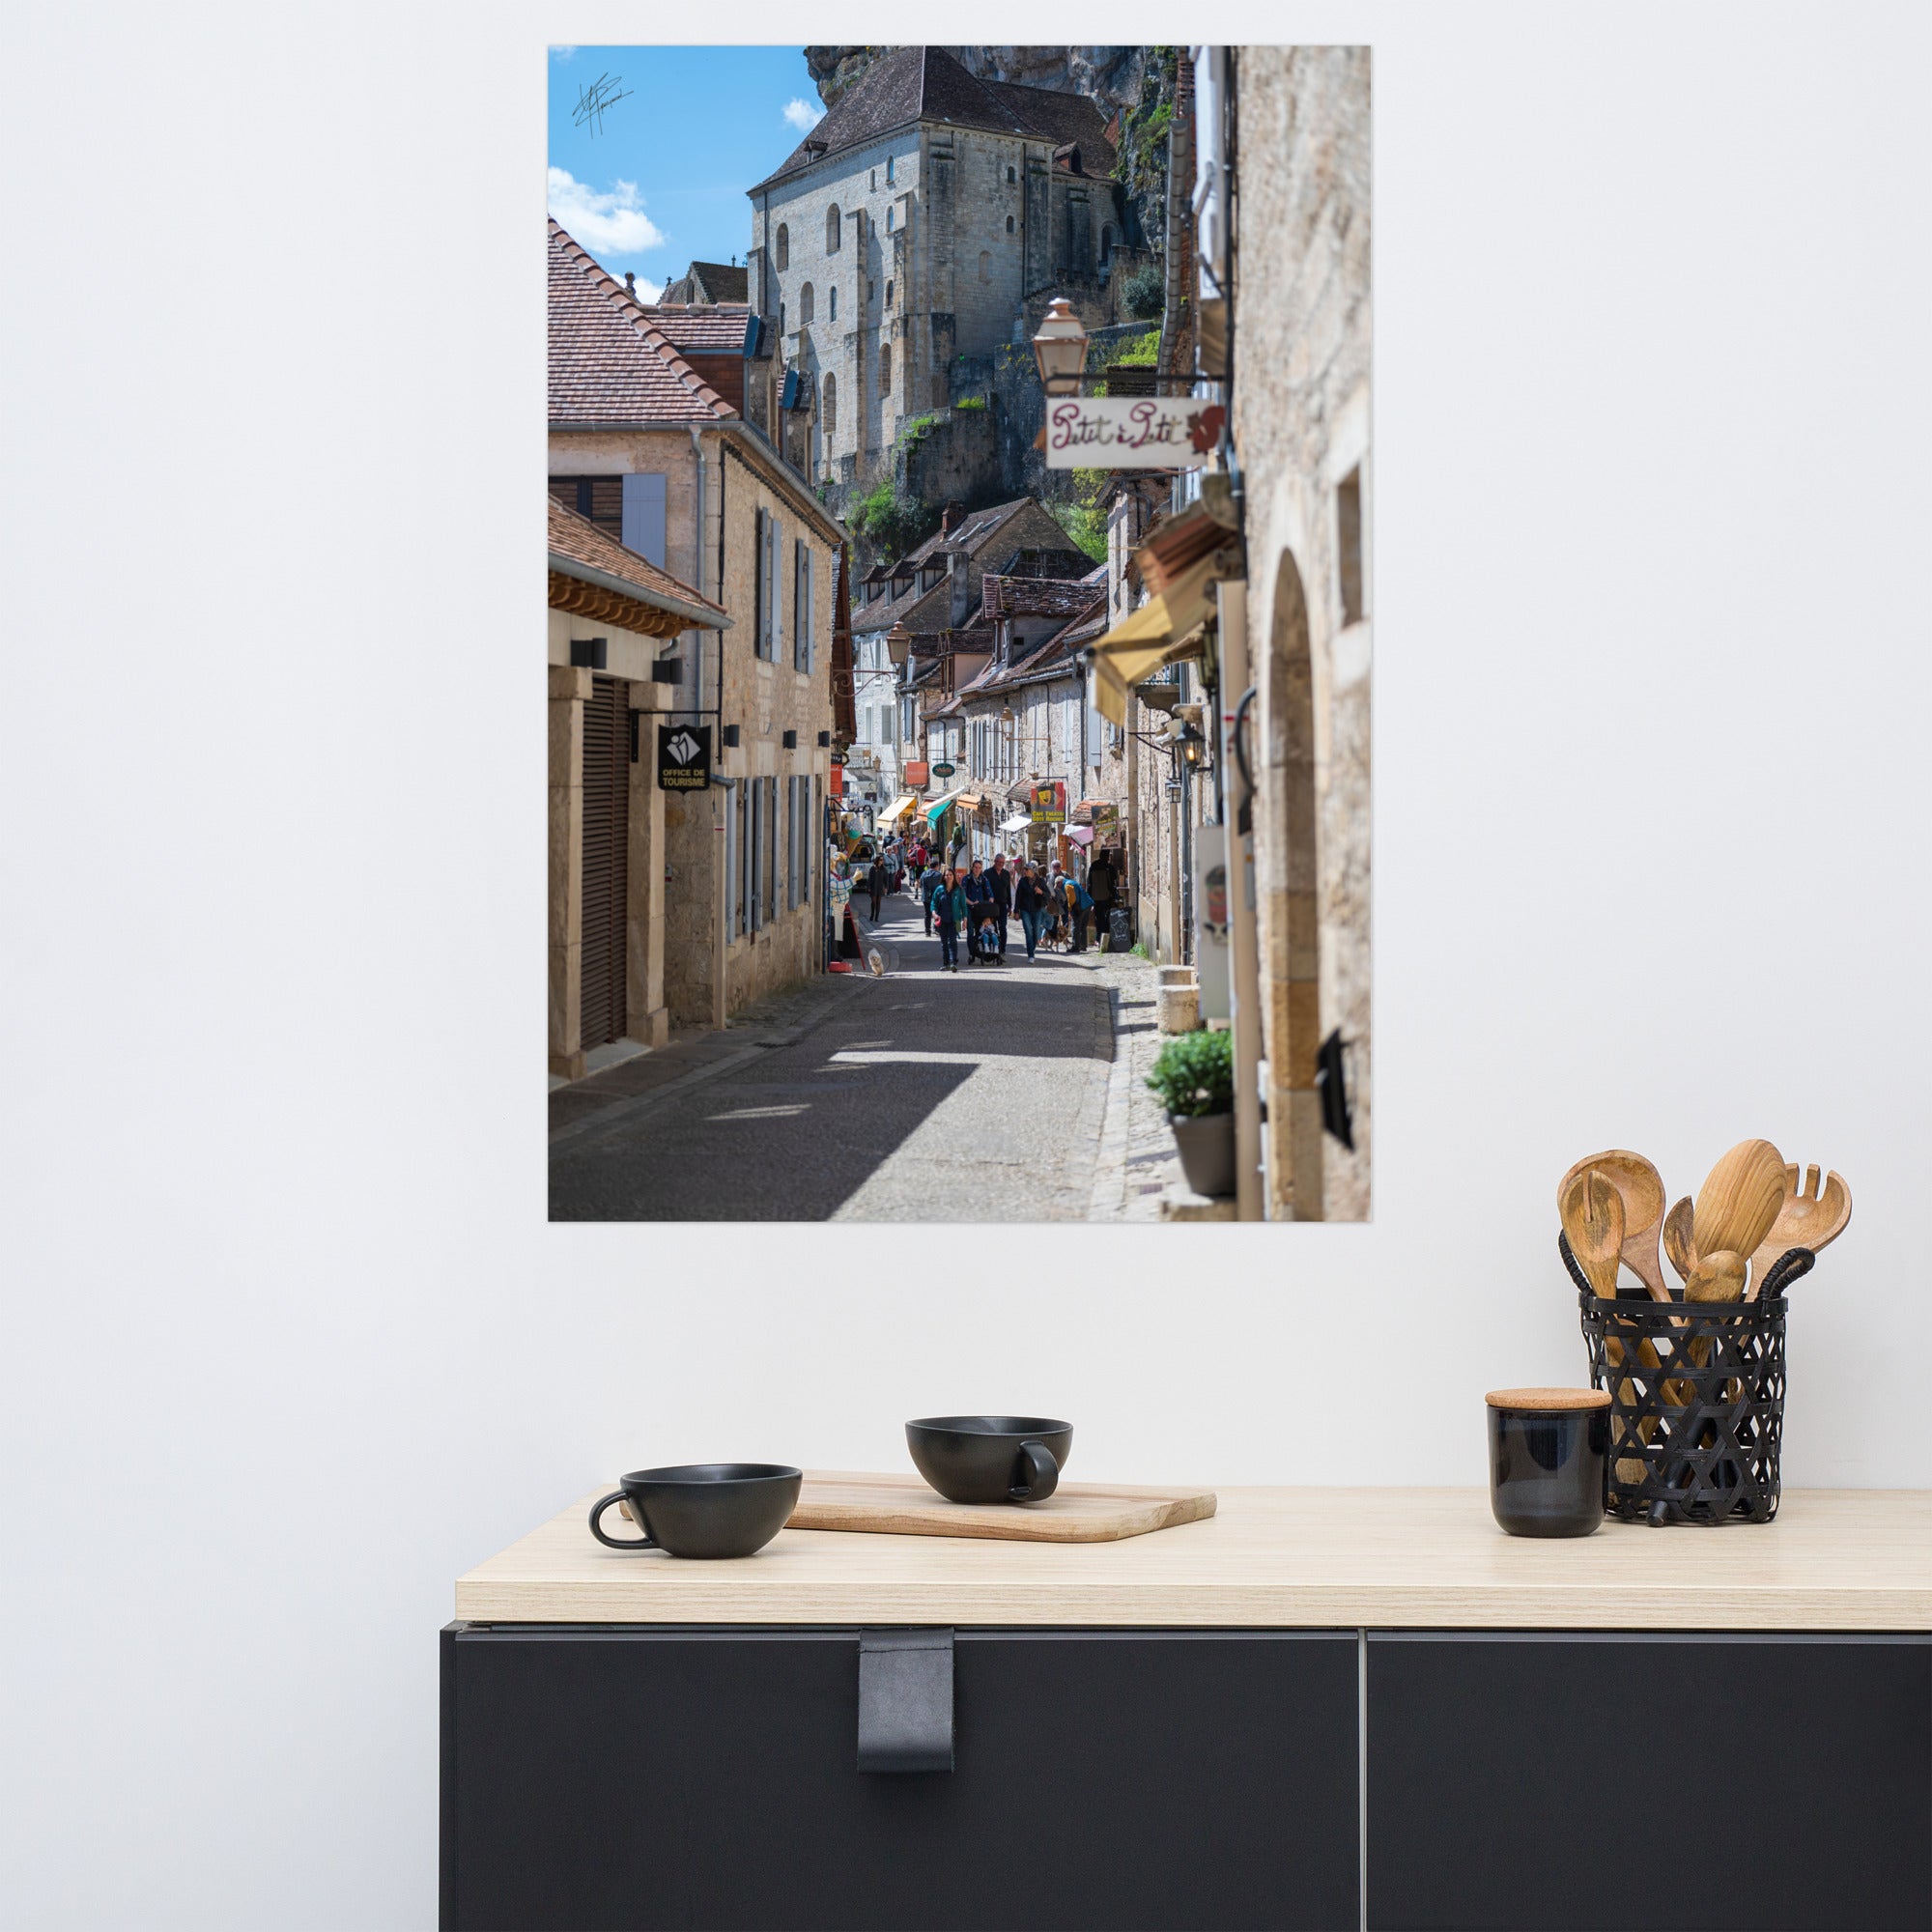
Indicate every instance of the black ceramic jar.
{"type": "Point", "coordinates": [1548, 1458]}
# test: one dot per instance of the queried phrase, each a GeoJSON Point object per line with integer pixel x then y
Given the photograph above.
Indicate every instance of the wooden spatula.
{"type": "Point", "coordinates": [1637, 1182]}
{"type": "Point", "coordinates": [1739, 1200]}
{"type": "Point", "coordinates": [1808, 1217]}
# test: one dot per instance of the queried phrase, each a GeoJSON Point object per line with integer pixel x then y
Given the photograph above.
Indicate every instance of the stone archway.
{"type": "Point", "coordinates": [1288, 848]}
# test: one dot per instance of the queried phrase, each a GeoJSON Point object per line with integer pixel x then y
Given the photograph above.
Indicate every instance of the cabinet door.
{"type": "Point", "coordinates": [1575, 1781]}
{"type": "Point", "coordinates": [603, 1778]}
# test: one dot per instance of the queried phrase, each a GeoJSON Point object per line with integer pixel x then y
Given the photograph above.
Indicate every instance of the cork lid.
{"type": "Point", "coordinates": [1547, 1401]}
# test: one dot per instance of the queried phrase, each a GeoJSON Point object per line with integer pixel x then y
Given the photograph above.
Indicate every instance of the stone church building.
{"type": "Point", "coordinates": [908, 229]}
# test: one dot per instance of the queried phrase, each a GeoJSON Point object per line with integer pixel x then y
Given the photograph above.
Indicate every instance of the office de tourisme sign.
{"type": "Point", "coordinates": [1132, 432]}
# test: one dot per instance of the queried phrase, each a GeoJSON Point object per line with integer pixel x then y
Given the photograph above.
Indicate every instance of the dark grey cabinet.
{"type": "Point", "coordinates": [609, 1778]}
{"type": "Point", "coordinates": [1581, 1782]}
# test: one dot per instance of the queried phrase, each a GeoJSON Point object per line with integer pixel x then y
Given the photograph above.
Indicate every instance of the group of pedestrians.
{"type": "Point", "coordinates": [981, 903]}
{"type": "Point", "coordinates": [978, 903]}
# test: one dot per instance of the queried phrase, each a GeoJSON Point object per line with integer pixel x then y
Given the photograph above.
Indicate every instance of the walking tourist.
{"type": "Point", "coordinates": [928, 889]}
{"type": "Point", "coordinates": [948, 907]}
{"type": "Point", "coordinates": [875, 884]}
{"type": "Point", "coordinates": [1028, 901]}
{"type": "Point", "coordinates": [1101, 886]}
{"type": "Point", "coordinates": [1083, 907]}
{"type": "Point", "coordinates": [979, 908]}
{"type": "Point", "coordinates": [1002, 882]}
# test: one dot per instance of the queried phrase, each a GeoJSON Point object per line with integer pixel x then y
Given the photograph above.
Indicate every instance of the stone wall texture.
{"type": "Point", "coordinates": [1301, 425]}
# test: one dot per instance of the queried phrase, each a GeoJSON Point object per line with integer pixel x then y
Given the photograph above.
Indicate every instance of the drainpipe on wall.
{"type": "Point", "coordinates": [1243, 913]}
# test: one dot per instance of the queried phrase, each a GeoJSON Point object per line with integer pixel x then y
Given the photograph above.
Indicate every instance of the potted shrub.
{"type": "Point", "coordinates": [1194, 1076]}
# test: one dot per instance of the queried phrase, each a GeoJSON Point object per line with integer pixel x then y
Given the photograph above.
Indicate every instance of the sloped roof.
{"type": "Point", "coordinates": [972, 536]}
{"type": "Point", "coordinates": [576, 540]}
{"type": "Point", "coordinates": [710, 329]}
{"type": "Point", "coordinates": [927, 84]}
{"type": "Point", "coordinates": [710, 282]}
{"type": "Point", "coordinates": [1035, 596]}
{"type": "Point", "coordinates": [609, 362]}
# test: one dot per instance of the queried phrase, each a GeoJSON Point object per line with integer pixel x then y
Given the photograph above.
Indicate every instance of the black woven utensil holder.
{"type": "Point", "coordinates": [1696, 1398]}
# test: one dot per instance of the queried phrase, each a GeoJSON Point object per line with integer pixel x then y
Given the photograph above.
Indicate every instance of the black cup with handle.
{"type": "Point", "coordinates": [990, 1459]}
{"type": "Point", "coordinates": [703, 1508]}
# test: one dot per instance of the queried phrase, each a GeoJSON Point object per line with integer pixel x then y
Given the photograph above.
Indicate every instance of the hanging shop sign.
{"type": "Point", "coordinates": [914, 773]}
{"type": "Point", "coordinates": [1104, 816]}
{"type": "Point", "coordinates": [684, 757]}
{"type": "Point", "coordinates": [944, 771]}
{"type": "Point", "coordinates": [1049, 803]}
{"type": "Point", "coordinates": [1132, 432]}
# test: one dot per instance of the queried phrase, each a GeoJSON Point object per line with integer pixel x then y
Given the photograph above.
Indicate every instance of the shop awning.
{"type": "Point", "coordinates": [898, 810]}
{"type": "Point", "coordinates": [971, 800]}
{"type": "Point", "coordinates": [1160, 632]}
{"type": "Point", "coordinates": [1020, 821]}
{"type": "Point", "coordinates": [936, 811]}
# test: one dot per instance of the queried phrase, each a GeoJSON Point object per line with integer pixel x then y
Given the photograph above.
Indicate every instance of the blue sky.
{"type": "Point", "coordinates": [663, 183]}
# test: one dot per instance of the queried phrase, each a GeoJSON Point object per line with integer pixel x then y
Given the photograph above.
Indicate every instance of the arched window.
{"type": "Point", "coordinates": [889, 171]}
{"type": "Point", "coordinates": [781, 247]}
{"type": "Point", "coordinates": [889, 294]}
{"type": "Point", "coordinates": [781, 318]}
{"type": "Point", "coordinates": [889, 218]}
{"type": "Point", "coordinates": [1010, 224]}
{"type": "Point", "coordinates": [831, 405]}
{"type": "Point", "coordinates": [985, 265]}
{"type": "Point", "coordinates": [1010, 177]}
{"type": "Point", "coordinates": [832, 231]}
{"type": "Point", "coordinates": [804, 304]}
{"type": "Point", "coordinates": [885, 368]}
{"type": "Point", "coordinates": [1107, 239]}
{"type": "Point", "coordinates": [832, 302]}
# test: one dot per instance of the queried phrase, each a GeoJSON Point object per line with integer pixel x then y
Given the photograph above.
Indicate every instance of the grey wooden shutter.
{"type": "Point", "coordinates": [644, 516]}
{"type": "Point", "coordinates": [771, 868]}
{"type": "Point", "coordinates": [759, 588]}
{"type": "Point", "coordinates": [778, 592]}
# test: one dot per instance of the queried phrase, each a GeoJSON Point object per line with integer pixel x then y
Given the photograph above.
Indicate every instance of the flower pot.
{"type": "Point", "coordinates": [1207, 1147]}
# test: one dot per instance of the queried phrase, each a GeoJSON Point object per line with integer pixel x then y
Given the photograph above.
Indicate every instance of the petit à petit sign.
{"type": "Point", "coordinates": [1132, 432]}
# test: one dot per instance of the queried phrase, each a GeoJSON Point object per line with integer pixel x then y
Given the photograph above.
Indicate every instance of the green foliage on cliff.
{"type": "Point", "coordinates": [891, 520]}
{"type": "Point", "coordinates": [1143, 292]}
{"type": "Point", "coordinates": [1084, 517]}
{"type": "Point", "coordinates": [970, 403]}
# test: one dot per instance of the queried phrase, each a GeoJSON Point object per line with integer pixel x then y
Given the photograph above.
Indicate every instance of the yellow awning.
{"type": "Point", "coordinates": [898, 810]}
{"type": "Point", "coordinates": [1158, 633]}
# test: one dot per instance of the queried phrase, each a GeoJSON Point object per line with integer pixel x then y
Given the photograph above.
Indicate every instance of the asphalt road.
{"type": "Point", "coordinates": [920, 1096]}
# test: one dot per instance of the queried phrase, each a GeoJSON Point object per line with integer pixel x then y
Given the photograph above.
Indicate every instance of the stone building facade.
{"type": "Point", "coordinates": [641, 440]}
{"type": "Point", "coordinates": [1300, 419]}
{"type": "Point", "coordinates": [907, 230]}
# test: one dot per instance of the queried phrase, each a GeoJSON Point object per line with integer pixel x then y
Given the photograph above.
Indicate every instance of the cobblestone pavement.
{"type": "Point", "coordinates": [996, 1093]}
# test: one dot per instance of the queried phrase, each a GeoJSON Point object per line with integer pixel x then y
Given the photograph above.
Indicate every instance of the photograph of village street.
{"type": "Point", "coordinates": [959, 542]}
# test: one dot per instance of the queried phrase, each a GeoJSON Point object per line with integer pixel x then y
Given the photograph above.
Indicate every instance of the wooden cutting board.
{"type": "Point", "coordinates": [1075, 1513]}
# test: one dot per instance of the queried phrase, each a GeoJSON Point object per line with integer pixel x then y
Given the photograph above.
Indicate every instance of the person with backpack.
{"type": "Point", "coordinates": [928, 889]}
{"type": "Point", "coordinates": [1082, 905]}
{"type": "Point", "coordinates": [981, 907]}
{"type": "Point", "coordinates": [1102, 886]}
{"type": "Point", "coordinates": [947, 908]}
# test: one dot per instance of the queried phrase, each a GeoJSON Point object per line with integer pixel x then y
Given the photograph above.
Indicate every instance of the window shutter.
{"type": "Point", "coordinates": [758, 589]}
{"type": "Point", "coordinates": [778, 590]}
{"type": "Point", "coordinates": [810, 615]}
{"type": "Point", "coordinates": [644, 529]}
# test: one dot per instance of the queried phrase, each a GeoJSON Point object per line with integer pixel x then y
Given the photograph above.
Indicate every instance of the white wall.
{"type": "Point", "coordinates": [288, 1343]}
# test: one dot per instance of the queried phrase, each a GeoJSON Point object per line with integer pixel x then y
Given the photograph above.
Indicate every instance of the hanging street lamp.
{"type": "Point", "coordinates": [1061, 349]}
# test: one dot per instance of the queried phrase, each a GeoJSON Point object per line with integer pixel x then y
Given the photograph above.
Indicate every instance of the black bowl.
{"type": "Point", "coordinates": [703, 1509]}
{"type": "Point", "coordinates": [990, 1459]}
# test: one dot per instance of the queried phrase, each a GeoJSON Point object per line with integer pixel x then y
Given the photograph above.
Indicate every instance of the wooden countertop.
{"type": "Point", "coordinates": [1834, 1559]}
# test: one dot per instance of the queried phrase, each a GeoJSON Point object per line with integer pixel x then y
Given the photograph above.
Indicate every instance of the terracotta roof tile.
{"type": "Point", "coordinates": [1035, 596]}
{"type": "Point", "coordinates": [609, 364]}
{"type": "Point", "coordinates": [710, 329]}
{"type": "Point", "coordinates": [580, 540]}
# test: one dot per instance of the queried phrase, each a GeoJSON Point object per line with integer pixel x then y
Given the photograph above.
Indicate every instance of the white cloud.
{"type": "Point", "coordinates": [561, 53]}
{"type": "Point", "coordinates": [648, 292]}
{"type": "Point", "coordinates": [802, 114]}
{"type": "Point", "coordinates": [610, 224]}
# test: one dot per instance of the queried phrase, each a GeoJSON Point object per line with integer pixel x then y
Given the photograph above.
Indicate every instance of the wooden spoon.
{"type": "Point", "coordinates": [1680, 1242]}
{"type": "Point", "coordinates": [1593, 1218]}
{"type": "Point", "coordinates": [1593, 1221]}
{"type": "Point", "coordinates": [1809, 1217]}
{"type": "Point", "coordinates": [1642, 1191]}
{"type": "Point", "coordinates": [1739, 1200]}
{"type": "Point", "coordinates": [1716, 1277]}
